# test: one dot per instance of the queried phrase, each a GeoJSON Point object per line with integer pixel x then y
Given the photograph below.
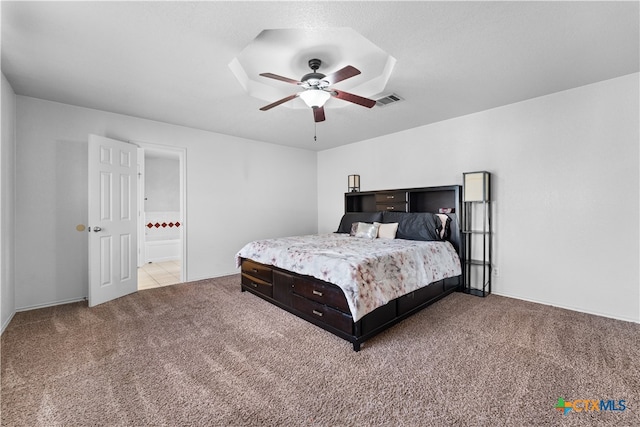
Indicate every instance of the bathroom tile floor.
{"type": "Point", "coordinates": [156, 274]}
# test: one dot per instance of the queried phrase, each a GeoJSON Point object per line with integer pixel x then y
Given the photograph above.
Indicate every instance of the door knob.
{"type": "Point", "coordinates": [96, 229]}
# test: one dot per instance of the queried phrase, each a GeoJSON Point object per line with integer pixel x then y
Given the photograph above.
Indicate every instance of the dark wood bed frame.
{"type": "Point", "coordinates": [324, 304]}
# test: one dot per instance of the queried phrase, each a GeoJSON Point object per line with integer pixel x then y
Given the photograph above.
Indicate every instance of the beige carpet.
{"type": "Point", "coordinates": [204, 353]}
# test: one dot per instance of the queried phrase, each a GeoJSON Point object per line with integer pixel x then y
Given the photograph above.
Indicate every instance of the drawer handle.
{"type": "Point", "coordinates": [255, 285]}
{"type": "Point", "coordinates": [390, 208]}
{"type": "Point", "coordinates": [317, 293]}
{"type": "Point", "coordinates": [317, 313]}
{"type": "Point", "coordinates": [390, 197]}
{"type": "Point", "coordinates": [255, 270]}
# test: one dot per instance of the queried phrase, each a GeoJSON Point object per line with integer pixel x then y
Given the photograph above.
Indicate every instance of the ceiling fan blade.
{"type": "Point", "coordinates": [342, 74]}
{"type": "Point", "coordinates": [318, 114]}
{"type": "Point", "coordinates": [346, 96]}
{"type": "Point", "coordinates": [282, 79]}
{"type": "Point", "coordinates": [281, 101]}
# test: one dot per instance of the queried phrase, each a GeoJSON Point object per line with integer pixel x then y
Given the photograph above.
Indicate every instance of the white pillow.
{"type": "Point", "coordinates": [387, 231]}
{"type": "Point", "coordinates": [364, 230]}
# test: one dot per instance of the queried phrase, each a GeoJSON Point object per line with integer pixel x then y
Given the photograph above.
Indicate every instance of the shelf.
{"type": "Point", "coordinates": [422, 199]}
{"type": "Point", "coordinates": [477, 234]}
{"type": "Point", "coordinates": [478, 262]}
{"type": "Point", "coordinates": [476, 292]}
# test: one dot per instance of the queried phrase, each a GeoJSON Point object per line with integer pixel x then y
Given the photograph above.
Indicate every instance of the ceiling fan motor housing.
{"type": "Point", "coordinates": [314, 79]}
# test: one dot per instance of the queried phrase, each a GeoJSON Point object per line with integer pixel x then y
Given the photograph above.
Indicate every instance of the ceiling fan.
{"type": "Point", "coordinates": [316, 89]}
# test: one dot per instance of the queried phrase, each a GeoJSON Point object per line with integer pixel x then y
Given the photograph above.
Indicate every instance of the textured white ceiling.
{"type": "Point", "coordinates": [168, 61]}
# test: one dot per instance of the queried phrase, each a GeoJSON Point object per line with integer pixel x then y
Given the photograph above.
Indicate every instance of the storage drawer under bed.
{"type": "Point", "coordinates": [257, 285]}
{"type": "Point", "coordinates": [257, 270]}
{"type": "Point", "coordinates": [413, 299]}
{"type": "Point", "coordinates": [323, 293]}
{"type": "Point", "coordinates": [327, 315]}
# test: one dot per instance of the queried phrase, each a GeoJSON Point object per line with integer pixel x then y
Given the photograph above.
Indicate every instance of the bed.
{"type": "Point", "coordinates": [379, 267]}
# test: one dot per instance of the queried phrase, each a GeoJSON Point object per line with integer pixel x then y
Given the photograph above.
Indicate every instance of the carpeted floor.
{"type": "Point", "coordinates": [204, 353]}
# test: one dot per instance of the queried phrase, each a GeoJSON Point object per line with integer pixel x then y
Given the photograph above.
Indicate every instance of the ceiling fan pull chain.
{"type": "Point", "coordinates": [315, 131]}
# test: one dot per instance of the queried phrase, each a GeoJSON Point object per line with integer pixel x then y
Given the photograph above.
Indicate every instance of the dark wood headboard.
{"type": "Point", "coordinates": [424, 199]}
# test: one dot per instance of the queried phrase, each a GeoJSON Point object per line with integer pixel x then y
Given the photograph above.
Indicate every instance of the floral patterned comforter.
{"type": "Point", "coordinates": [371, 272]}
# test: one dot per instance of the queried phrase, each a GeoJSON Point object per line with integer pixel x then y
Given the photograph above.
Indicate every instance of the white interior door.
{"type": "Point", "coordinates": [112, 219]}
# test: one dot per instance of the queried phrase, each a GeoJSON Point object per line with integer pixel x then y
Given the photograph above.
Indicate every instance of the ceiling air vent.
{"type": "Point", "coordinates": [386, 100]}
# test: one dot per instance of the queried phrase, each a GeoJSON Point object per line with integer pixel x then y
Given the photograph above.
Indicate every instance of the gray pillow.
{"type": "Point", "coordinates": [415, 225]}
{"type": "Point", "coordinates": [351, 217]}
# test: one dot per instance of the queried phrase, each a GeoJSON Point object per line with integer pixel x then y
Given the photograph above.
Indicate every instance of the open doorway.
{"type": "Point", "coordinates": [161, 230]}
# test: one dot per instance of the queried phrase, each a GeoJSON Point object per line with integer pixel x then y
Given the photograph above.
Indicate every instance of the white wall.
{"type": "Point", "coordinates": [565, 185]}
{"type": "Point", "coordinates": [161, 184]}
{"type": "Point", "coordinates": [7, 198]}
{"type": "Point", "coordinates": [237, 191]}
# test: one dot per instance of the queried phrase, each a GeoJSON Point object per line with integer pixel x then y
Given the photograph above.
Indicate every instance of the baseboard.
{"type": "Point", "coordinates": [5, 324]}
{"type": "Point", "coordinates": [195, 279]}
{"type": "Point", "coordinates": [566, 307]}
{"type": "Point", "coordinates": [161, 259]}
{"type": "Point", "coordinates": [69, 301]}
{"type": "Point", "coordinates": [50, 304]}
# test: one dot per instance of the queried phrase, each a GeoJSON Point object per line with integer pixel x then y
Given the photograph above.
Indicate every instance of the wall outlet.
{"type": "Point", "coordinates": [496, 272]}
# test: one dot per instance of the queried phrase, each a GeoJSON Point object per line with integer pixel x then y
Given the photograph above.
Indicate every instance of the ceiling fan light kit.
{"type": "Point", "coordinates": [315, 97]}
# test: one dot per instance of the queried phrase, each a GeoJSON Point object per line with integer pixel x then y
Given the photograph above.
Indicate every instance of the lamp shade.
{"type": "Point", "coordinates": [315, 97]}
{"type": "Point", "coordinates": [476, 186]}
{"type": "Point", "coordinates": [354, 183]}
